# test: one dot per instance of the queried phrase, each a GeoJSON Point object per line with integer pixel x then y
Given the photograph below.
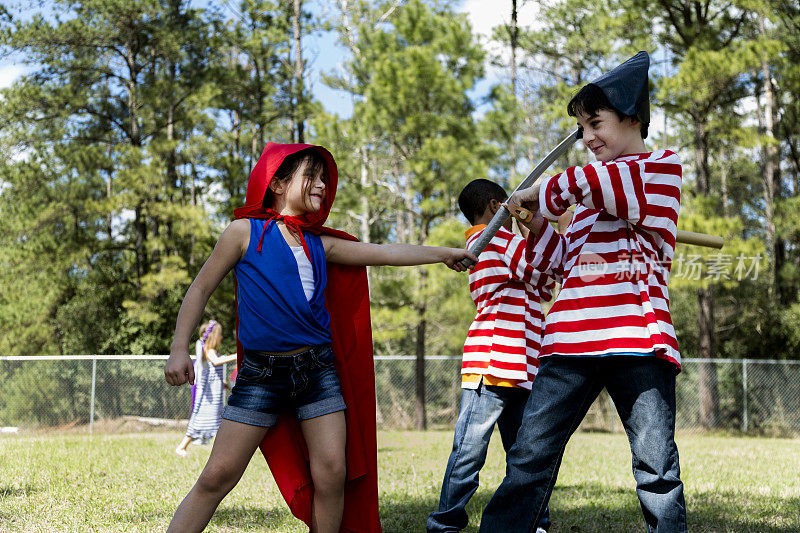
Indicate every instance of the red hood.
{"type": "Point", "coordinates": [271, 158]}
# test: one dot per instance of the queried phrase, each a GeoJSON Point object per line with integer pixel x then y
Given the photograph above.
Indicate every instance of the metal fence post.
{"type": "Point", "coordinates": [91, 404]}
{"type": "Point", "coordinates": [744, 395]}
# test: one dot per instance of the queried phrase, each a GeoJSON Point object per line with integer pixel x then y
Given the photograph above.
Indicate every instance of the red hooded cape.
{"type": "Point", "coordinates": [347, 301]}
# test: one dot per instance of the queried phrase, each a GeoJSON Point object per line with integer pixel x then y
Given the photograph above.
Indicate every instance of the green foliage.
{"type": "Point", "coordinates": [127, 146]}
{"type": "Point", "coordinates": [111, 198]}
{"type": "Point", "coordinates": [740, 259]}
{"type": "Point", "coordinates": [412, 126]}
{"type": "Point", "coordinates": [47, 394]}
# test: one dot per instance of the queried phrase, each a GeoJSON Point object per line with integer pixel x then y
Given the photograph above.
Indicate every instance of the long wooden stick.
{"type": "Point", "coordinates": [683, 237]}
{"type": "Point", "coordinates": [699, 239]}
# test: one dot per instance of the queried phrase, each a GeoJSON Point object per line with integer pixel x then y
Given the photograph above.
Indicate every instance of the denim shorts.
{"type": "Point", "coordinates": [270, 384]}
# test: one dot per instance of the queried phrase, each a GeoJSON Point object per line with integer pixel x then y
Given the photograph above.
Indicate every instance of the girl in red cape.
{"type": "Point", "coordinates": [305, 390]}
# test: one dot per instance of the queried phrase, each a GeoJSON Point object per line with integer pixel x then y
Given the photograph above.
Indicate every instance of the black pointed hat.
{"type": "Point", "coordinates": [626, 87]}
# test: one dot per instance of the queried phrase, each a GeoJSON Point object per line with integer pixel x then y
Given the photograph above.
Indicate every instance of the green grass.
{"type": "Point", "coordinates": [133, 482]}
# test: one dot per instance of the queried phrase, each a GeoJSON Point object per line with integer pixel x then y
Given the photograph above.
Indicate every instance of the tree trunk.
{"type": "Point", "coordinates": [172, 170]}
{"type": "Point", "coordinates": [298, 71]}
{"type": "Point", "coordinates": [701, 155]}
{"type": "Point", "coordinates": [191, 234]}
{"type": "Point", "coordinates": [259, 126]}
{"type": "Point", "coordinates": [139, 223]}
{"type": "Point", "coordinates": [109, 217]}
{"type": "Point", "coordinates": [366, 212]}
{"type": "Point", "coordinates": [140, 227]}
{"type": "Point", "coordinates": [770, 166]}
{"type": "Point", "coordinates": [664, 135]}
{"type": "Point", "coordinates": [794, 157]}
{"type": "Point", "coordinates": [365, 208]}
{"type": "Point", "coordinates": [708, 390]}
{"type": "Point", "coordinates": [723, 169]}
{"type": "Point", "coordinates": [420, 416]}
{"type": "Point", "coordinates": [513, 34]}
{"type": "Point", "coordinates": [709, 395]}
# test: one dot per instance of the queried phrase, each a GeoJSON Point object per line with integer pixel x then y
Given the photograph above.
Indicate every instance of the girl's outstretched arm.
{"type": "Point", "coordinates": [362, 253]}
{"type": "Point", "coordinates": [217, 360]}
{"type": "Point", "coordinates": [228, 251]}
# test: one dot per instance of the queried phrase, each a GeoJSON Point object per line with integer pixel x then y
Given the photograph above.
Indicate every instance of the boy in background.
{"type": "Point", "coordinates": [500, 354]}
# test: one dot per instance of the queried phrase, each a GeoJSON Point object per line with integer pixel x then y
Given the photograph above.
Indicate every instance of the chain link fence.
{"type": "Point", "coordinates": [45, 393]}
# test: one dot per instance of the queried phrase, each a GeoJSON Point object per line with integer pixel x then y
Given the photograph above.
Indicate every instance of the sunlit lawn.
{"type": "Point", "coordinates": [133, 482]}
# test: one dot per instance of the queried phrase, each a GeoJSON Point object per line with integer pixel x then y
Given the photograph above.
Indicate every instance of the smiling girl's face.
{"type": "Point", "coordinates": [298, 186]}
{"type": "Point", "coordinates": [305, 191]}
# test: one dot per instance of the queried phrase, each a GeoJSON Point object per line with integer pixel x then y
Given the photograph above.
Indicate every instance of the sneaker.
{"type": "Point", "coordinates": [181, 452]}
{"type": "Point", "coordinates": [540, 530]}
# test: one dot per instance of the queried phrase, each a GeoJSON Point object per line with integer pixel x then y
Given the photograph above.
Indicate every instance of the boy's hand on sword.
{"type": "Point", "coordinates": [524, 206]}
{"type": "Point", "coordinates": [526, 198]}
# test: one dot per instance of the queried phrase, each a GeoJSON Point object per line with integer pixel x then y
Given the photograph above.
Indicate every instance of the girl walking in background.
{"type": "Point", "coordinates": [208, 391]}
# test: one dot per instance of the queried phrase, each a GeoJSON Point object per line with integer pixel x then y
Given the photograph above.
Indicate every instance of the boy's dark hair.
{"type": "Point", "coordinates": [477, 195]}
{"type": "Point", "coordinates": [591, 99]}
{"type": "Point", "coordinates": [291, 163]}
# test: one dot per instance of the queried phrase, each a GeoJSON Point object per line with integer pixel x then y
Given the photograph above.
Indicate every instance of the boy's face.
{"type": "Point", "coordinates": [609, 138]}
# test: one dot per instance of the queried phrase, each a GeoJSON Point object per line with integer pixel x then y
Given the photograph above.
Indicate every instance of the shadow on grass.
{"type": "Point", "coordinates": [11, 492]}
{"type": "Point", "coordinates": [228, 518]}
{"type": "Point", "coordinates": [715, 511]}
{"type": "Point", "coordinates": [388, 449]}
{"type": "Point", "coordinates": [590, 508]}
{"type": "Point", "coordinates": [253, 517]}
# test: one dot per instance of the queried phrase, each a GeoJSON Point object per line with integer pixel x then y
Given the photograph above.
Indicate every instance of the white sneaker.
{"type": "Point", "coordinates": [181, 452]}
{"type": "Point", "coordinates": [540, 530]}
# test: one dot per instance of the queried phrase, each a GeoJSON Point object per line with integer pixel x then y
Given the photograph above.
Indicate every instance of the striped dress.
{"type": "Point", "coordinates": [502, 345]}
{"type": "Point", "coordinates": [209, 398]}
{"type": "Point", "coordinates": [614, 260]}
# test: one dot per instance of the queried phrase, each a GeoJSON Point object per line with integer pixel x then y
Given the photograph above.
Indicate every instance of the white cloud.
{"type": "Point", "coordinates": [485, 15]}
{"type": "Point", "coordinates": [10, 72]}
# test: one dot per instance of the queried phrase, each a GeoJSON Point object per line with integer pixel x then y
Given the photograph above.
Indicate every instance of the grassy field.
{"type": "Point", "coordinates": [133, 482]}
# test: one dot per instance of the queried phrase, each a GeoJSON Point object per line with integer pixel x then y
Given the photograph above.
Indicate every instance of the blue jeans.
{"type": "Point", "coordinates": [269, 384]}
{"type": "Point", "coordinates": [480, 409]}
{"type": "Point", "coordinates": [643, 391]}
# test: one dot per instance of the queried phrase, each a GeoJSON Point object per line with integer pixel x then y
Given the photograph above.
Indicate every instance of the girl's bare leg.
{"type": "Point", "coordinates": [232, 451]}
{"type": "Point", "coordinates": [326, 437]}
{"type": "Point", "coordinates": [181, 449]}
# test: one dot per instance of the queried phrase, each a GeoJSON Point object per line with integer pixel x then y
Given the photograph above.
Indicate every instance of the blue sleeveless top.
{"type": "Point", "coordinates": [274, 314]}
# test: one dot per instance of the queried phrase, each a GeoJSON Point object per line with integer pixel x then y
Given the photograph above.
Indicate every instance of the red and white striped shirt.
{"type": "Point", "coordinates": [502, 345]}
{"type": "Point", "coordinates": [614, 260]}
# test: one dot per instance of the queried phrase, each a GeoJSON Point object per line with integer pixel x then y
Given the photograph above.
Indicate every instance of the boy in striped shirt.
{"type": "Point", "coordinates": [500, 354]}
{"type": "Point", "coordinates": [610, 325]}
